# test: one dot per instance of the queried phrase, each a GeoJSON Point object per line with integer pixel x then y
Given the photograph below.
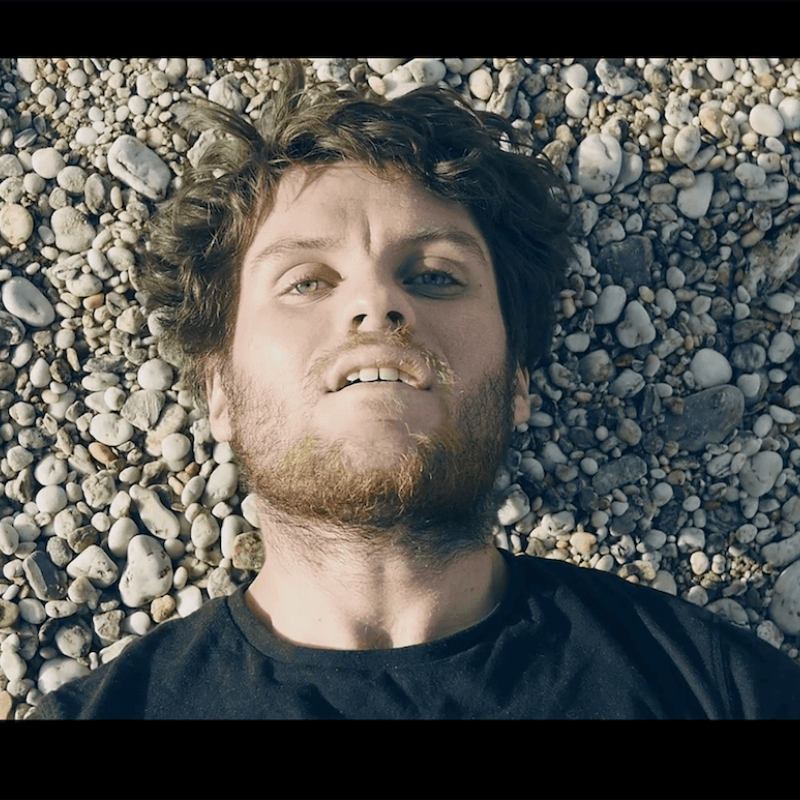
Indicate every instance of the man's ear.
{"type": "Point", "coordinates": [522, 400]}
{"type": "Point", "coordinates": [218, 407]}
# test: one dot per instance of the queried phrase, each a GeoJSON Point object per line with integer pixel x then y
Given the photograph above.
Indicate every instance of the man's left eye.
{"type": "Point", "coordinates": [435, 279]}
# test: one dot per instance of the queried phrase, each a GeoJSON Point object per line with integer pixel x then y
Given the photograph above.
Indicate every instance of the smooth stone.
{"type": "Point", "coordinates": [148, 573]}
{"type": "Point", "coordinates": [155, 375]}
{"type": "Point", "coordinates": [195, 486]}
{"type": "Point", "coordinates": [159, 520]}
{"type": "Point", "coordinates": [789, 109]}
{"type": "Point", "coordinates": [72, 180]}
{"type": "Point", "coordinates": [710, 368]}
{"type": "Point", "coordinates": [627, 384]}
{"type": "Point", "coordinates": [108, 626]}
{"type": "Point", "coordinates": [25, 301]}
{"type": "Point", "coordinates": [55, 672]}
{"type": "Point", "coordinates": [781, 302]}
{"type": "Point", "coordinates": [94, 564]}
{"type": "Point", "coordinates": [383, 66]}
{"type": "Point", "coordinates": [665, 300]}
{"type": "Point", "coordinates": [775, 190]}
{"type": "Point", "coordinates": [51, 499]}
{"type": "Point", "coordinates": [766, 120]}
{"type": "Point", "coordinates": [708, 417]}
{"type": "Point", "coordinates": [575, 76]}
{"type": "Point", "coordinates": [47, 162]}
{"type": "Point", "coordinates": [221, 484]}
{"type": "Point", "coordinates": [47, 582]}
{"type": "Point", "coordinates": [205, 530]}
{"type": "Point", "coordinates": [73, 231]}
{"type": "Point", "coordinates": [250, 509]}
{"type": "Point", "coordinates": [248, 551]}
{"type": "Point", "coordinates": [220, 583]}
{"type": "Point", "coordinates": [781, 347]}
{"type": "Point", "coordinates": [636, 328]}
{"type": "Point", "coordinates": [783, 552]}
{"type": "Point", "coordinates": [9, 612]}
{"type": "Point", "coordinates": [720, 69]}
{"type": "Point", "coordinates": [694, 201]}
{"type": "Point", "coordinates": [73, 639]}
{"type": "Point", "coordinates": [784, 607]}
{"type": "Point", "coordinates": [110, 429]}
{"type": "Point", "coordinates": [427, 71]}
{"type": "Point", "coordinates": [597, 163]}
{"type": "Point", "coordinates": [751, 176]}
{"type": "Point", "coordinates": [687, 143]}
{"type": "Point", "coordinates": [759, 473]}
{"type": "Point", "coordinates": [84, 285]}
{"type": "Point", "coordinates": [619, 472]}
{"type": "Point", "coordinates": [175, 447]}
{"type": "Point", "coordinates": [481, 84]}
{"type": "Point", "coordinates": [628, 262]}
{"type": "Point", "coordinates": [39, 373]}
{"type": "Point", "coordinates": [514, 507]}
{"type": "Point", "coordinates": [13, 665]}
{"type": "Point", "coordinates": [51, 470]}
{"type": "Point", "coordinates": [597, 367]}
{"type": "Point", "coordinates": [225, 92]}
{"type": "Point", "coordinates": [16, 224]}
{"type": "Point", "coordinates": [188, 600]}
{"type": "Point", "coordinates": [120, 535]}
{"type": "Point", "coordinates": [18, 458]}
{"type": "Point", "coordinates": [576, 103]}
{"type": "Point", "coordinates": [9, 538]}
{"type": "Point", "coordinates": [610, 305]}
{"type": "Point", "coordinates": [32, 610]}
{"type": "Point", "coordinates": [137, 166]}
{"type": "Point", "coordinates": [730, 610]}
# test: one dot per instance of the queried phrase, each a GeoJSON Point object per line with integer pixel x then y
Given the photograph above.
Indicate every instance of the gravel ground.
{"type": "Point", "coordinates": [664, 441]}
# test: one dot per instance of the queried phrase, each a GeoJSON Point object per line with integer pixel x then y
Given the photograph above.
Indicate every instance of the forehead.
{"type": "Point", "coordinates": [348, 199]}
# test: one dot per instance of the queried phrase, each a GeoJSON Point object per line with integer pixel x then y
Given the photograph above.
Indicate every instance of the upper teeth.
{"type": "Point", "coordinates": [374, 373]}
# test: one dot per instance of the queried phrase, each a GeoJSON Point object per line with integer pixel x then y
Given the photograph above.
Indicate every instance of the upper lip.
{"type": "Point", "coordinates": [402, 360]}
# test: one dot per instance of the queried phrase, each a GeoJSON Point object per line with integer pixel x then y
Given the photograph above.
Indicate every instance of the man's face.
{"type": "Point", "coordinates": [356, 277]}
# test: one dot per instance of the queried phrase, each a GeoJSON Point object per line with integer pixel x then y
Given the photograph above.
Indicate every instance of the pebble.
{"type": "Point", "coordinates": [16, 224]}
{"type": "Point", "coordinates": [51, 470]}
{"type": "Point", "coordinates": [693, 202]}
{"type": "Point", "coordinates": [94, 564]}
{"type": "Point", "coordinates": [781, 347]}
{"type": "Point", "coordinates": [226, 93]}
{"type": "Point", "coordinates": [137, 166]}
{"type": "Point", "coordinates": [759, 473]}
{"type": "Point", "coordinates": [73, 231]}
{"type": "Point", "coordinates": [427, 71]}
{"type": "Point", "coordinates": [609, 305]}
{"type": "Point", "coordinates": [155, 375]}
{"type": "Point", "coordinates": [160, 521]}
{"type": "Point", "coordinates": [597, 163]}
{"type": "Point", "coordinates": [784, 607]}
{"type": "Point", "coordinates": [24, 300]}
{"type": "Point", "coordinates": [710, 368]}
{"type": "Point", "coordinates": [636, 329]}
{"type": "Point", "coordinates": [221, 484]}
{"type": "Point", "coordinates": [110, 429]}
{"type": "Point", "coordinates": [188, 600]}
{"type": "Point", "coordinates": [55, 672]}
{"type": "Point", "coordinates": [47, 582]}
{"type": "Point", "coordinates": [47, 162]}
{"type": "Point", "coordinates": [720, 69]}
{"type": "Point", "coordinates": [383, 66]}
{"type": "Point", "coordinates": [766, 120]}
{"type": "Point", "coordinates": [687, 143]}
{"type": "Point", "coordinates": [148, 573]}
{"type": "Point", "coordinates": [789, 109]}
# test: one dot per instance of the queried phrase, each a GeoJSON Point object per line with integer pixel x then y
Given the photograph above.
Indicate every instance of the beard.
{"type": "Point", "coordinates": [436, 503]}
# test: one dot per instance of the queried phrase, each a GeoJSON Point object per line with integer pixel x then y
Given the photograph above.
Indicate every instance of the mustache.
{"type": "Point", "coordinates": [401, 338]}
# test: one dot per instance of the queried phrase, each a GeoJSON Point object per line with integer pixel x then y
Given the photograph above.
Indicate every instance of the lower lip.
{"type": "Point", "coordinates": [379, 386]}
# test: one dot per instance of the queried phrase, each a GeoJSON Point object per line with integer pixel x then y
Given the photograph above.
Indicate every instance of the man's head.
{"type": "Point", "coordinates": [359, 240]}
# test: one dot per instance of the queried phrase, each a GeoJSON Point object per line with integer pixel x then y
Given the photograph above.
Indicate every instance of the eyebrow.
{"type": "Point", "coordinates": [456, 236]}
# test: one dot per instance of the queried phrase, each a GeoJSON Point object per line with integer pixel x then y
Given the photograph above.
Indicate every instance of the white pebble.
{"type": "Point", "coordinates": [609, 305]}
{"type": "Point", "coordinates": [51, 499]}
{"type": "Point", "coordinates": [16, 224]}
{"type": "Point", "coordinates": [766, 120]}
{"type": "Point", "coordinates": [51, 470]}
{"type": "Point", "coordinates": [110, 429]}
{"type": "Point", "coordinates": [781, 347]}
{"type": "Point", "coordinates": [699, 562]}
{"type": "Point", "coordinates": [710, 368]}
{"type": "Point", "coordinates": [26, 301]}
{"type": "Point", "coordinates": [576, 103]}
{"type": "Point", "coordinates": [720, 69]}
{"type": "Point", "coordinates": [694, 201]}
{"type": "Point", "coordinates": [636, 328]}
{"type": "Point", "coordinates": [57, 671]}
{"type": "Point", "coordinates": [47, 162]}
{"type": "Point", "coordinates": [789, 109]}
{"type": "Point", "coordinates": [155, 374]}
{"type": "Point", "coordinates": [188, 600]}
{"type": "Point", "coordinates": [597, 163]}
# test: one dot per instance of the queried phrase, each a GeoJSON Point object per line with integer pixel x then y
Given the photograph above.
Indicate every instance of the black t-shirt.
{"type": "Point", "coordinates": [565, 643]}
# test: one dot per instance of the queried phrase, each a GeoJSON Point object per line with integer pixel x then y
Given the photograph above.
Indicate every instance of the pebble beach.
{"type": "Point", "coordinates": [664, 441]}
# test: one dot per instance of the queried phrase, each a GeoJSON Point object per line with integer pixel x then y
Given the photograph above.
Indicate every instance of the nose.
{"type": "Point", "coordinates": [378, 303]}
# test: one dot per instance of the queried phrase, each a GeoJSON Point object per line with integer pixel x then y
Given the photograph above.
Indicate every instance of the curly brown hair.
{"type": "Point", "coordinates": [480, 160]}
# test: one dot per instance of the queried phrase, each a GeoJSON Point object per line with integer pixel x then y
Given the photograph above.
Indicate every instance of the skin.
{"type": "Point", "coordinates": [368, 274]}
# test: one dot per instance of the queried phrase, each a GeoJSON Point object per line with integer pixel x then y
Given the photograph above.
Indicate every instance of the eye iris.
{"type": "Point", "coordinates": [308, 283]}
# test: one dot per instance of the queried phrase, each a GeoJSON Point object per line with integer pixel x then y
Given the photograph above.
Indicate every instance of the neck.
{"type": "Point", "coordinates": [324, 589]}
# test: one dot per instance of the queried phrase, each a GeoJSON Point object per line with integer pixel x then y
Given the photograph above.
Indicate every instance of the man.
{"type": "Point", "coordinates": [358, 293]}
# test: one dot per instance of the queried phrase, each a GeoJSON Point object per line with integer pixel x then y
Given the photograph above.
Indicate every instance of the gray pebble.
{"type": "Point", "coordinates": [148, 573]}
{"type": "Point", "coordinates": [136, 165]}
{"type": "Point", "coordinates": [47, 582]}
{"type": "Point", "coordinates": [74, 233]}
{"type": "Point", "coordinates": [25, 301]}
